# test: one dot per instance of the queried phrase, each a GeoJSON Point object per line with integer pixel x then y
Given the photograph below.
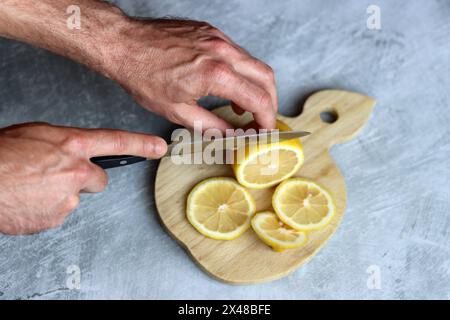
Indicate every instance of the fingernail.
{"type": "Point", "coordinates": [160, 147]}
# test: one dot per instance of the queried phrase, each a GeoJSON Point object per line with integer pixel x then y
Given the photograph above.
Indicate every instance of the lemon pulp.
{"type": "Point", "coordinates": [275, 233]}
{"type": "Point", "coordinates": [220, 208]}
{"type": "Point", "coordinates": [303, 204]}
{"type": "Point", "coordinates": [263, 166]}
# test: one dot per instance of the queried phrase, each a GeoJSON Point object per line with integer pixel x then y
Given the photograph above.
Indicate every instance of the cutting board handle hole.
{"type": "Point", "coordinates": [329, 116]}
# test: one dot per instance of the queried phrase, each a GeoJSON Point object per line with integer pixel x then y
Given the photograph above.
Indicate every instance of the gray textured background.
{"type": "Point", "coordinates": [397, 170]}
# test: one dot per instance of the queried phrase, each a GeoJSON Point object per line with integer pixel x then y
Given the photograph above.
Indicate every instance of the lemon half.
{"type": "Point", "coordinates": [273, 232]}
{"type": "Point", "coordinates": [303, 204]}
{"type": "Point", "coordinates": [263, 166]}
{"type": "Point", "coordinates": [220, 208]}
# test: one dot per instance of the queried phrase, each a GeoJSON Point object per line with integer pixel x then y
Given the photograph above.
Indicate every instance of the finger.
{"type": "Point", "coordinates": [193, 116]}
{"type": "Point", "coordinates": [228, 84]}
{"type": "Point", "coordinates": [247, 66]}
{"type": "Point", "coordinates": [260, 74]}
{"type": "Point", "coordinates": [105, 142]}
{"type": "Point", "coordinates": [97, 180]}
{"type": "Point", "coordinates": [242, 62]}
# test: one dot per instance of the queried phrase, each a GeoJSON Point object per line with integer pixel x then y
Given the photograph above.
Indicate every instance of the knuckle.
{"type": "Point", "coordinates": [265, 101]}
{"type": "Point", "coordinates": [214, 30]}
{"type": "Point", "coordinates": [265, 70]}
{"type": "Point", "coordinates": [175, 116]}
{"type": "Point", "coordinates": [82, 173]}
{"type": "Point", "coordinates": [68, 206]}
{"type": "Point", "coordinates": [219, 45]}
{"type": "Point", "coordinates": [120, 142]}
{"type": "Point", "coordinates": [218, 70]}
{"type": "Point", "coordinates": [205, 25]}
{"type": "Point", "coordinates": [75, 141]}
{"type": "Point", "coordinates": [268, 71]}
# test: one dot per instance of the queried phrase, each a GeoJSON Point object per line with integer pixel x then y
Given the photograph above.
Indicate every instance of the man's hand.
{"type": "Point", "coordinates": [167, 65]}
{"type": "Point", "coordinates": [43, 169]}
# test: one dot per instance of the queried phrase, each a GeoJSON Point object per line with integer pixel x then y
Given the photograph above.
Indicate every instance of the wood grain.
{"type": "Point", "coordinates": [247, 259]}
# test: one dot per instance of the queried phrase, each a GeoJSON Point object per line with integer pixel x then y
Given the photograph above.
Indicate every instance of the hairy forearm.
{"type": "Point", "coordinates": [43, 23]}
{"type": "Point", "coordinates": [166, 65]}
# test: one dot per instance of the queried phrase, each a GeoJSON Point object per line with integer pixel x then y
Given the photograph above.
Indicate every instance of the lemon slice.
{"type": "Point", "coordinates": [220, 208]}
{"type": "Point", "coordinates": [263, 166]}
{"type": "Point", "coordinates": [275, 233]}
{"type": "Point", "coordinates": [303, 204]}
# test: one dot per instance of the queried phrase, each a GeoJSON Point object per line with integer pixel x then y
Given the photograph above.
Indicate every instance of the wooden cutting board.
{"type": "Point", "coordinates": [247, 259]}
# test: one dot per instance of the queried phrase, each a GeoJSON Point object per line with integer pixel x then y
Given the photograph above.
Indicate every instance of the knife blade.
{"type": "Point", "coordinates": [190, 147]}
{"type": "Point", "coordinates": [234, 142]}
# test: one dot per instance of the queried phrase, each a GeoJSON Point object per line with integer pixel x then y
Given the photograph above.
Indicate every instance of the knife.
{"type": "Point", "coordinates": [228, 143]}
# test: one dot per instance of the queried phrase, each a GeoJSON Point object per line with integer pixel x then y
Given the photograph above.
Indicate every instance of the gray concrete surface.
{"type": "Point", "coordinates": [397, 170]}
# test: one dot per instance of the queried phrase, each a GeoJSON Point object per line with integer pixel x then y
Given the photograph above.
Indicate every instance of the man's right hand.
{"type": "Point", "coordinates": [167, 65]}
{"type": "Point", "coordinates": [43, 169]}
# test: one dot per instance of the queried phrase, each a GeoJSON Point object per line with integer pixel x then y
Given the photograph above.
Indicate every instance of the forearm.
{"type": "Point", "coordinates": [43, 23]}
{"type": "Point", "coordinates": [166, 65]}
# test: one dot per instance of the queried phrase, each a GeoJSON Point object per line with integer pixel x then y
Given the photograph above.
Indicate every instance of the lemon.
{"type": "Point", "coordinates": [303, 204]}
{"type": "Point", "coordinates": [265, 165]}
{"type": "Point", "coordinates": [220, 208]}
{"type": "Point", "coordinates": [275, 233]}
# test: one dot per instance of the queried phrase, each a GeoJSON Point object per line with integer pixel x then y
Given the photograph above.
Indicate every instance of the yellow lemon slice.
{"type": "Point", "coordinates": [303, 204]}
{"type": "Point", "coordinates": [273, 232]}
{"type": "Point", "coordinates": [263, 166]}
{"type": "Point", "coordinates": [220, 208]}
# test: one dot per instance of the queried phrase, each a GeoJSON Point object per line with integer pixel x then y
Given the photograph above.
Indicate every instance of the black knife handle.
{"type": "Point", "coordinates": [108, 162]}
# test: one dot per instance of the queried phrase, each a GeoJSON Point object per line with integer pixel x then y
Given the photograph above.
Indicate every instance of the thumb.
{"type": "Point", "coordinates": [105, 142]}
